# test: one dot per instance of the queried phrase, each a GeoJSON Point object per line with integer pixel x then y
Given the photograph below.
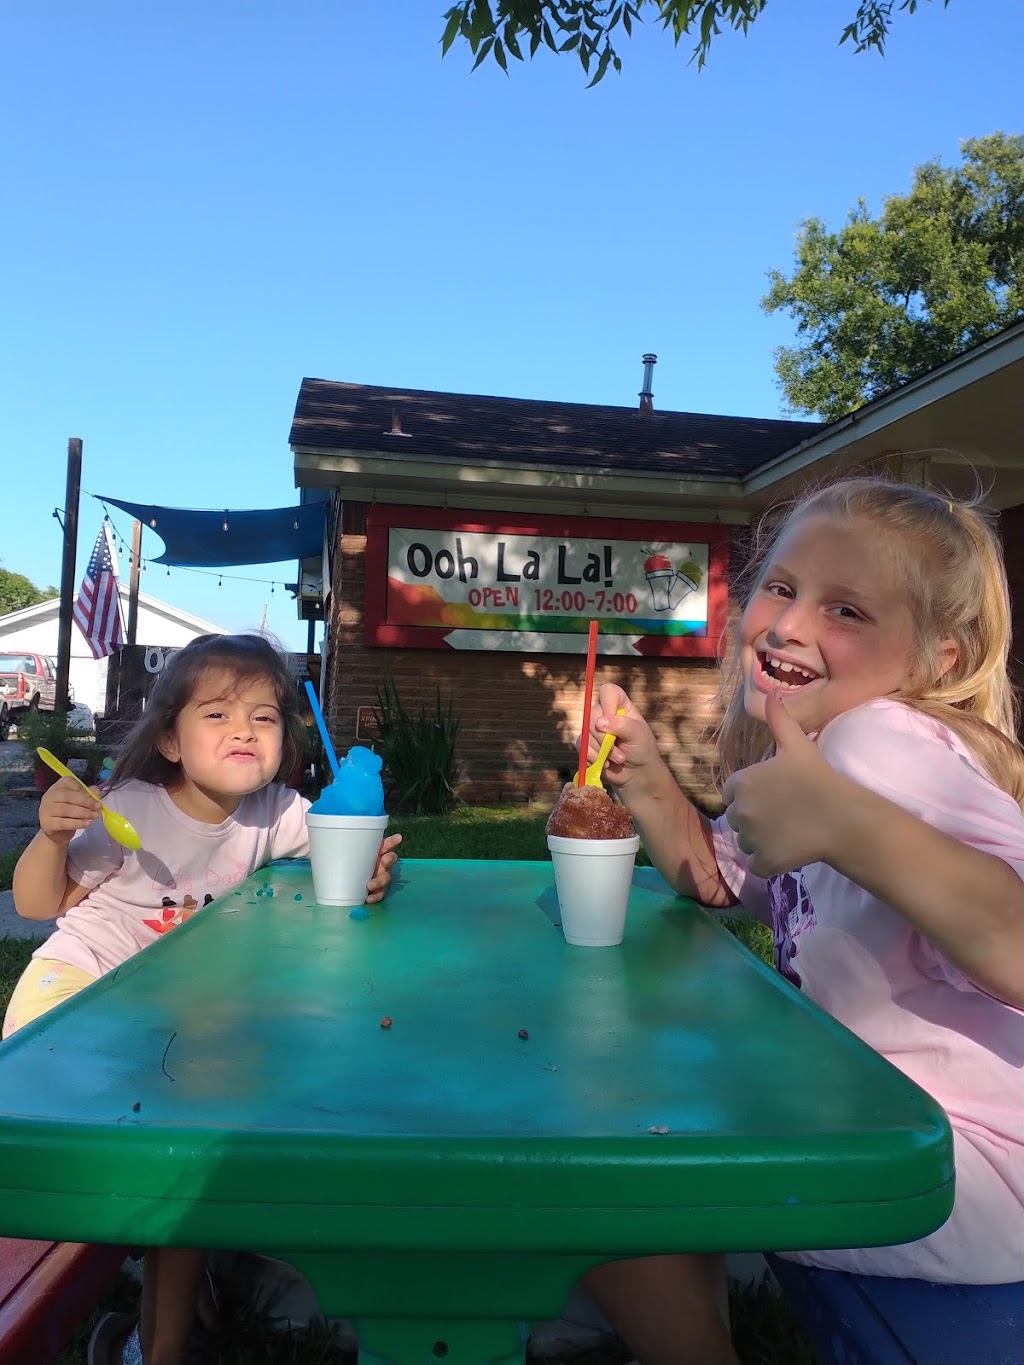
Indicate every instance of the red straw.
{"type": "Point", "coordinates": [588, 688]}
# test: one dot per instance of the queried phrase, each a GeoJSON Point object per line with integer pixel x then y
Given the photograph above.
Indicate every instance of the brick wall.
{"type": "Point", "coordinates": [519, 713]}
{"type": "Point", "coordinates": [1011, 524]}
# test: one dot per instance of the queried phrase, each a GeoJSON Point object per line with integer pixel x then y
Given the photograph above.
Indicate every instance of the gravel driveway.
{"type": "Point", "coordinates": [19, 819]}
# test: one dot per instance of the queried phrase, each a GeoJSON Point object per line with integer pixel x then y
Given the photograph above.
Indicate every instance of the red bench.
{"type": "Point", "coordinates": [46, 1290]}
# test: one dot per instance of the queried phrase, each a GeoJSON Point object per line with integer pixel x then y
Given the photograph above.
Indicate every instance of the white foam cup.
{"type": "Point", "coordinates": [592, 880]}
{"type": "Point", "coordinates": [342, 854]}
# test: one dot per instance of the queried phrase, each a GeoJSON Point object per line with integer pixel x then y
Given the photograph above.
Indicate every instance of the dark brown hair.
{"type": "Point", "coordinates": [248, 658]}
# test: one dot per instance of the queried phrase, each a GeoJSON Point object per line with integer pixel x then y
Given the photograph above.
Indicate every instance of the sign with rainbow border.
{"type": "Point", "coordinates": [448, 580]}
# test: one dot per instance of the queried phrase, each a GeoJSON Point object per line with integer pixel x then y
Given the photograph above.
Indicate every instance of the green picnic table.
{"type": "Point", "coordinates": [532, 1109]}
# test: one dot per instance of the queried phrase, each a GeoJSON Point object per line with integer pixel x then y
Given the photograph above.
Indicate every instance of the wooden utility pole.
{"type": "Point", "coordinates": [133, 582]}
{"type": "Point", "coordinates": [67, 573]}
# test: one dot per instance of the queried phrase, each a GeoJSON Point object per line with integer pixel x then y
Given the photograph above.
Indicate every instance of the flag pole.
{"type": "Point", "coordinates": [67, 573]}
{"type": "Point", "coordinates": [133, 583]}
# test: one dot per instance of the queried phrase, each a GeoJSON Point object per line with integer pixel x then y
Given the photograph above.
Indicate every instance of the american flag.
{"type": "Point", "coordinates": [97, 610]}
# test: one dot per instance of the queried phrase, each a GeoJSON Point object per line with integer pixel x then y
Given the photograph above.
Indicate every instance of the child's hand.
{"type": "Point", "coordinates": [65, 808]}
{"type": "Point", "coordinates": [378, 884]}
{"type": "Point", "coordinates": [784, 809]}
{"type": "Point", "coordinates": [635, 746]}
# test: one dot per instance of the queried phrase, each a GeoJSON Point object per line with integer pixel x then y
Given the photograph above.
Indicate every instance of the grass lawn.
{"type": "Point", "coordinates": [475, 832]}
{"type": "Point", "coordinates": [763, 1327]}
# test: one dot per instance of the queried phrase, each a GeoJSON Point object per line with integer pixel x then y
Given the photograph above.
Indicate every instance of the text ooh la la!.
{"type": "Point", "coordinates": [421, 562]}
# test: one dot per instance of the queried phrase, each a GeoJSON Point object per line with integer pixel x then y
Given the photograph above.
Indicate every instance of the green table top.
{"type": "Point", "coordinates": [232, 1087]}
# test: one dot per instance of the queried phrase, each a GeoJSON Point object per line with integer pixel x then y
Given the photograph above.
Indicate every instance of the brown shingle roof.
{"type": "Point", "coordinates": [467, 428]}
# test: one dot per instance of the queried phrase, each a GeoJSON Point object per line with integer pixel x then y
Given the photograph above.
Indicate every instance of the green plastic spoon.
{"type": "Point", "coordinates": [119, 829]}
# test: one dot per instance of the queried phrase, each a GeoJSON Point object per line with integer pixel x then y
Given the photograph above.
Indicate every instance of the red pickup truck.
{"type": "Point", "coordinates": [28, 682]}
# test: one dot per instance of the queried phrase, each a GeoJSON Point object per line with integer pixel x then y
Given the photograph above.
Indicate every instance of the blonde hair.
{"type": "Point", "coordinates": [949, 556]}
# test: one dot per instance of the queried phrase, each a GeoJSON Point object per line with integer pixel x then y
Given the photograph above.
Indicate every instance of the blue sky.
{"type": "Point", "coordinates": [204, 202]}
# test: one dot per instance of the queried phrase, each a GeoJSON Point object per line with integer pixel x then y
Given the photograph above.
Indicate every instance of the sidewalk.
{"type": "Point", "coordinates": [19, 820]}
{"type": "Point", "coordinates": [13, 926]}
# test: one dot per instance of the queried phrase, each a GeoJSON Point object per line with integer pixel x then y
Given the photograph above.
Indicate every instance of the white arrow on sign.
{"type": "Point", "coordinates": [537, 642]}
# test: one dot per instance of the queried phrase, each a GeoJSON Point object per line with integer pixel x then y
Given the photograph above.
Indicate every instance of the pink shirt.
{"type": "Point", "coordinates": [875, 973]}
{"type": "Point", "coordinates": [183, 864]}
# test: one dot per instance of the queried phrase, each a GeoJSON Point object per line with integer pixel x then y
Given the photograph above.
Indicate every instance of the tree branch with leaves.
{"type": "Point", "coordinates": [499, 29]}
{"type": "Point", "coordinates": [18, 592]}
{"type": "Point", "coordinates": [888, 298]}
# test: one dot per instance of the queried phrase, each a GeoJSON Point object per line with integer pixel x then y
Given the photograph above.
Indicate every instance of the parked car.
{"type": "Point", "coordinates": [28, 682]}
{"type": "Point", "coordinates": [81, 718]}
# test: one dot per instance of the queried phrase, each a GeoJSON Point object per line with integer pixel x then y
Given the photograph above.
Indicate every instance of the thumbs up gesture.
{"type": "Point", "coordinates": [785, 810]}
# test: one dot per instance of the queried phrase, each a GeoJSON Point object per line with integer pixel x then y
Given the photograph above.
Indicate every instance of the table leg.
{"type": "Point", "coordinates": [428, 1341]}
{"type": "Point", "coordinates": [442, 1307]}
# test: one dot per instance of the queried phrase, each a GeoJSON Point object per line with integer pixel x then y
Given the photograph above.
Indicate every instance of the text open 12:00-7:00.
{"type": "Point", "coordinates": [547, 599]}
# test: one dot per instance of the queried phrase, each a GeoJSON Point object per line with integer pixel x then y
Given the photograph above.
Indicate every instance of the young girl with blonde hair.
{"type": "Point", "coordinates": [872, 789]}
{"type": "Point", "coordinates": [200, 778]}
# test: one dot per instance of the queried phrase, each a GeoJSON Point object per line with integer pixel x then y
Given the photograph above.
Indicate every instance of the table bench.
{"type": "Point", "coordinates": [46, 1290]}
{"type": "Point", "coordinates": [875, 1320]}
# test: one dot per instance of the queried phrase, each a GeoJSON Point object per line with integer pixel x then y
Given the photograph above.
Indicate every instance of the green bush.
{"type": "Point", "coordinates": [50, 730]}
{"type": "Point", "coordinates": [421, 772]}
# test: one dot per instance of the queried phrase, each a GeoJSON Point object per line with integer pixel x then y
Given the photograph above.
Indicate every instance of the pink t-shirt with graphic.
{"type": "Point", "coordinates": [869, 968]}
{"type": "Point", "coordinates": [182, 865]}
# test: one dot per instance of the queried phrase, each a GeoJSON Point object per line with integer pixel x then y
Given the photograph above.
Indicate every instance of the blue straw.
{"type": "Point", "coordinates": [321, 725]}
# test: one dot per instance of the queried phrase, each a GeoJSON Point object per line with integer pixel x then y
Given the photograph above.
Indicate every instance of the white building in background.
{"type": "Point", "coordinates": [159, 624]}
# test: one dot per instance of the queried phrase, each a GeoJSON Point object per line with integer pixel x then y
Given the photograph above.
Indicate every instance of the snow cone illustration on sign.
{"type": "Point", "coordinates": [690, 576]}
{"type": "Point", "coordinates": [660, 575]}
{"type": "Point", "coordinates": [669, 585]}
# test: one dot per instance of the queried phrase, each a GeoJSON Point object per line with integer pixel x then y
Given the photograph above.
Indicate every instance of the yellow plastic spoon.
{"type": "Point", "coordinates": [119, 829]}
{"type": "Point", "coordinates": [592, 777]}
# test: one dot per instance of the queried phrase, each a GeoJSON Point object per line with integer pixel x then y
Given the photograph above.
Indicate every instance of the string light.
{"type": "Point", "coordinates": [122, 543]}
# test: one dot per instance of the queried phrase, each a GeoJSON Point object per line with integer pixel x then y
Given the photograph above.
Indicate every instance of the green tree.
{"type": "Point", "coordinates": [886, 299]}
{"type": "Point", "coordinates": [18, 592]}
{"type": "Point", "coordinates": [502, 28]}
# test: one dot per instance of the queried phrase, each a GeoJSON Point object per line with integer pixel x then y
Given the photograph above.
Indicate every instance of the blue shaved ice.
{"type": "Point", "coordinates": [357, 790]}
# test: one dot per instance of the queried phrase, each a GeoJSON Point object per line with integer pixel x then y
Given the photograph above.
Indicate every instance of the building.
{"type": "Point", "coordinates": [160, 627]}
{"type": "Point", "coordinates": [472, 537]}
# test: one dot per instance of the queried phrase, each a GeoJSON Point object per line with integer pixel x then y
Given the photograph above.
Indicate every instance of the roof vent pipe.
{"type": "Point", "coordinates": [646, 393]}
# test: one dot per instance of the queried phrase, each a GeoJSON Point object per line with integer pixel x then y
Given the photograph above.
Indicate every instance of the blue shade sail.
{"type": "Point", "coordinates": [211, 539]}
